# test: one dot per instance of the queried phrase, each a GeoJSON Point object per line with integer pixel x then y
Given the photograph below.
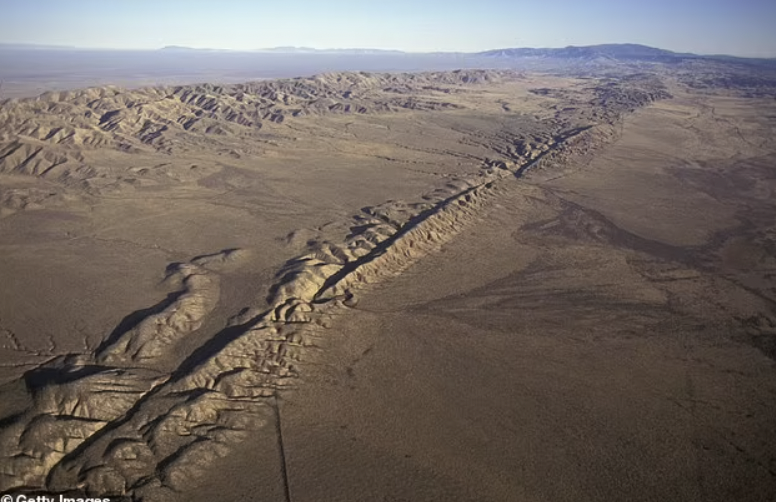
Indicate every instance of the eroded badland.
{"type": "Point", "coordinates": [471, 285]}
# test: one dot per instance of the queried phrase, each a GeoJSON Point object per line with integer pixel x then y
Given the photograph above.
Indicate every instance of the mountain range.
{"type": "Point", "coordinates": [618, 52]}
{"type": "Point", "coordinates": [605, 51]}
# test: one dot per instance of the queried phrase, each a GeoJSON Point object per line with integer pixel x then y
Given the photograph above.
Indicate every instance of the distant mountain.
{"type": "Point", "coordinates": [311, 50]}
{"type": "Point", "coordinates": [624, 52]}
{"type": "Point", "coordinates": [289, 50]}
{"type": "Point", "coordinates": [768, 62]}
{"type": "Point", "coordinates": [33, 47]}
{"type": "Point", "coordinates": [180, 48]}
{"type": "Point", "coordinates": [603, 54]}
{"type": "Point", "coordinates": [285, 50]}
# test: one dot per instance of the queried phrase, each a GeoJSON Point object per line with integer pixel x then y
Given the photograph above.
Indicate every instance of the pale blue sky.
{"type": "Point", "coordinates": [742, 27]}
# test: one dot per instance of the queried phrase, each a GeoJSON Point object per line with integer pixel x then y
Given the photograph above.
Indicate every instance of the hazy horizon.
{"type": "Point", "coordinates": [301, 49]}
{"type": "Point", "coordinates": [702, 27]}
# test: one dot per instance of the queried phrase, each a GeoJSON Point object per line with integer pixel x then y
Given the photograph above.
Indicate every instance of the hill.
{"type": "Point", "coordinates": [626, 52]}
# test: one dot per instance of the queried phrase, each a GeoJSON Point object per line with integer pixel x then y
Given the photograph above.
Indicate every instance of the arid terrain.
{"type": "Point", "coordinates": [466, 285]}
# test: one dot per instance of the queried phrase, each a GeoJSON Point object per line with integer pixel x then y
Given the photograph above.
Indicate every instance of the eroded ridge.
{"type": "Point", "coordinates": [76, 395]}
{"type": "Point", "coordinates": [215, 400]}
{"type": "Point", "coordinates": [113, 422]}
{"type": "Point", "coordinates": [46, 136]}
{"type": "Point", "coordinates": [152, 337]}
{"type": "Point", "coordinates": [155, 431]}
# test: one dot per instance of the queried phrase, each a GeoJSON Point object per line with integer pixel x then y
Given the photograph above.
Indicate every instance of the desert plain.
{"type": "Point", "coordinates": [465, 285]}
